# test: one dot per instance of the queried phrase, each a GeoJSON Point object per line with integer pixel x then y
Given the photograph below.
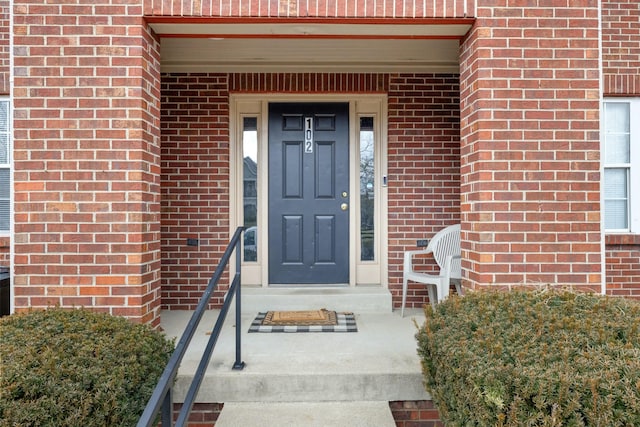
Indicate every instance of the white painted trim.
{"type": "Point", "coordinates": [603, 246]}
{"type": "Point", "coordinates": [354, 222]}
{"type": "Point", "coordinates": [12, 229]}
{"type": "Point", "coordinates": [237, 112]}
{"type": "Point", "coordinates": [634, 178]}
{"type": "Point", "coordinates": [633, 165]}
{"type": "Point", "coordinates": [373, 272]}
{"type": "Point", "coordinates": [309, 29]}
{"type": "Point", "coordinates": [243, 105]}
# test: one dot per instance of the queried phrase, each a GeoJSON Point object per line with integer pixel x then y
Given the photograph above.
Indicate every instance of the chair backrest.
{"type": "Point", "coordinates": [445, 242]}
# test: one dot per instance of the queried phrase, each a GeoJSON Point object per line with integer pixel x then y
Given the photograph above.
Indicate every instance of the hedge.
{"type": "Point", "coordinates": [77, 368]}
{"type": "Point", "coordinates": [545, 358]}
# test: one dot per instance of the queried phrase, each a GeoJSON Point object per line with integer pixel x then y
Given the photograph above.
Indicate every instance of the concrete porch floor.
{"type": "Point", "coordinates": [377, 363]}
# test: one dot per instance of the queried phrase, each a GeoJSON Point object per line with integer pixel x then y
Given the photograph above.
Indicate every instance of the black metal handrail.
{"type": "Point", "coordinates": [162, 397]}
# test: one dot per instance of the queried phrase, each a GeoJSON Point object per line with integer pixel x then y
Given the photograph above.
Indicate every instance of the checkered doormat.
{"type": "Point", "coordinates": [346, 322]}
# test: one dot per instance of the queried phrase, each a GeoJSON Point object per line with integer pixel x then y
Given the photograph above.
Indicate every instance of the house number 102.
{"type": "Point", "coordinates": [308, 135]}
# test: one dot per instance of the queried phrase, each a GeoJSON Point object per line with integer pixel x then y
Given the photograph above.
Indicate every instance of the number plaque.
{"type": "Point", "coordinates": [308, 135]}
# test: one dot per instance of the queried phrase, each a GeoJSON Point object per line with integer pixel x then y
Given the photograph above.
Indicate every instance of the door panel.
{"type": "Point", "coordinates": [325, 239]}
{"type": "Point", "coordinates": [291, 243]}
{"type": "Point", "coordinates": [292, 177]}
{"type": "Point", "coordinates": [325, 170]}
{"type": "Point", "coordinates": [308, 175]}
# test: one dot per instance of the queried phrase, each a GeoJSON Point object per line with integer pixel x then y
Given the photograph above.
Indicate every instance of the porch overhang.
{"type": "Point", "coordinates": [310, 45]}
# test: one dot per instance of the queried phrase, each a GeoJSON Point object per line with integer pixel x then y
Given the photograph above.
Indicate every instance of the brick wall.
{"type": "Point", "coordinates": [412, 413]}
{"type": "Point", "coordinates": [5, 243]}
{"type": "Point", "coordinates": [201, 415]}
{"type": "Point", "coordinates": [86, 97]}
{"type": "Point", "coordinates": [530, 144]}
{"type": "Point", "coordinates": [423, 166]}
{"type": "Point", "coordinates": [621, 47]}
{"type": "Point", "coordinates": [623, 265]}
{"type": "Point", "coordinates": [87, 150]}
{"type": "Point", "coordinates": [312, 8]}
{"type": "Point", "coordinates": [195, 185]}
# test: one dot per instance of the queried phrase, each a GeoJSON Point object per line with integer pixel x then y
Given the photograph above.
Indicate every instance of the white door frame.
{"type": "Point", "coordinates": [361, 273]}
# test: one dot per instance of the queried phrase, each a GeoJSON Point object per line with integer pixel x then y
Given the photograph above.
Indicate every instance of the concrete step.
{"type": "Point", "coordinates": [377, 363]}
{"type": "Point", "coordinates": [359, 299]}
{"type": "Point", "coordinates": [306, 414]}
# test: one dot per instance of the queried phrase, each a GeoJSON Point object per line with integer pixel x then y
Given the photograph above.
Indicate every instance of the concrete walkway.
{"type": "Point", "coordinates": [379, 363]}
{"type": "Point", "coordinates": [306, 414]}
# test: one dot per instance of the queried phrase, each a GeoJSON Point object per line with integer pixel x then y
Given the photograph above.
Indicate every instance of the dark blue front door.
{"type": "Point", "coordinates": [308, 193]}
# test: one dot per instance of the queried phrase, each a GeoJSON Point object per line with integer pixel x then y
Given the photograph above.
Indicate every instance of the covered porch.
{"type": "Point", "coordinates": [399, 81]}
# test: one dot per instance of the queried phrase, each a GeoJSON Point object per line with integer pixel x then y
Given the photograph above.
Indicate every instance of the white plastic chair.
{"type": "Point", "coordinates": [445, 246]}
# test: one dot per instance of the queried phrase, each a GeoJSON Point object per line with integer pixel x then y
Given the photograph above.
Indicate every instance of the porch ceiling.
{"type": "Point", "coordinates": [310, 47]}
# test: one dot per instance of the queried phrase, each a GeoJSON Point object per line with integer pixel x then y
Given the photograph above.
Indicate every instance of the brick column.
{"type": "Point", "coordinates": [530, 145]}
{"type": "Point", "coordinates": [87, 157]}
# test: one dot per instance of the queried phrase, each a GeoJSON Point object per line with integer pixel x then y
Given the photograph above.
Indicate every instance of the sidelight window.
{"type": "Point", "coordinates": [367, 189]}
{"type": "Point", "coordinates": [250, 187]}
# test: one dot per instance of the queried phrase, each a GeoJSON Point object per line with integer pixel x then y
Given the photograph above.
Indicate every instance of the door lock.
{"type": "Point", "coordinates": [344, 206]}
{"type": "Point", "coordinates": [344, 194]}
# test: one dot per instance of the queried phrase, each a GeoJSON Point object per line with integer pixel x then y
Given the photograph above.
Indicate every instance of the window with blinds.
{"type": "Point", "coordinates": [5, 167]}
{"type": "Point", "coordinates": [621, 134]}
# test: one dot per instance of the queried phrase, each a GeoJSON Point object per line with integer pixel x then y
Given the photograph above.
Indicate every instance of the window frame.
{"type": "Point", "coordinates": [633, 166]}
{"type": "Point", "coordinates": [8, 165]}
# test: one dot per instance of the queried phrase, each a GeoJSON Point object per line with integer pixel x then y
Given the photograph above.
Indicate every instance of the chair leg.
{"type": "Point", "coordinates": [432, 296]}
{"type": "Point", "coordinates": [458, 287]}
{"type": "Point", "coordinates": [443, 291]}
{"type": "Point", "coordinates": [404, 295]}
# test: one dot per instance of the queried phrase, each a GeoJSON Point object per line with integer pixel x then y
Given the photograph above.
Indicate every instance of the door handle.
{"type": "Point", "coordinates": [344, 206]}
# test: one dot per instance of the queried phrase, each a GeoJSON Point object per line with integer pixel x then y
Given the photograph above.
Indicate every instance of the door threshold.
{"type": "Point", "coordinates": [307, 285]}
{"type": "Point", "coordinates": [369, 299]}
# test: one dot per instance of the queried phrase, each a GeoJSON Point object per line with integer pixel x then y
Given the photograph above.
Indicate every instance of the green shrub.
{"type": "Point", "coordinates": [545, 358]}
{"type": "Point", "coordinates": [77, 368]}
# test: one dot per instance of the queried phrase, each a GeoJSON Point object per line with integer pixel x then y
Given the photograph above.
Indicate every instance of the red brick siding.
{"type": "Point", "coordinates": [86, 97]}
{"type": "Point", "coordinates": [530, 145]}
{"type": "Point", "coordinates": [312, 8]}
{"type": "Point", "coordinates": [201, 415]}
{"type": "Point", "coordinates": [5, 243]}
{"type": "Point", "coordinates": [423, 167]}
{"type": "Point", "coordinates": [195, 184]}
{"type": "Point", "coordinates": [415, 413]}
{"type": "Point", "coordinates": [621, 47]}
{"type": "Point", "coordinates": [623, 265]}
